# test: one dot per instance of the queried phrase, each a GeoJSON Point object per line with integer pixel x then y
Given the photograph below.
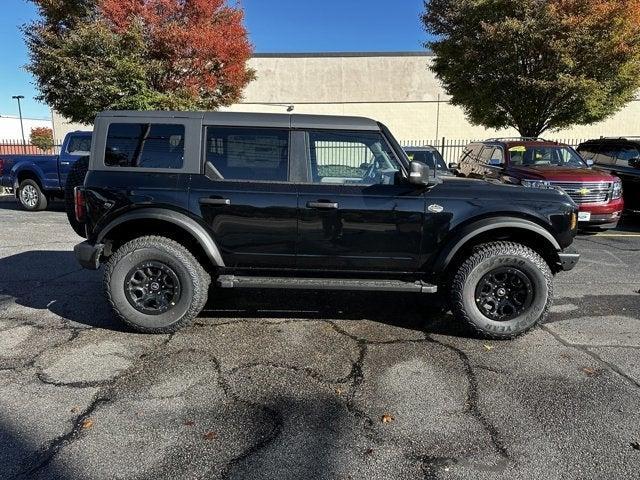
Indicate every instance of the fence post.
{"type": "Point", "coordinates": [443, 147]}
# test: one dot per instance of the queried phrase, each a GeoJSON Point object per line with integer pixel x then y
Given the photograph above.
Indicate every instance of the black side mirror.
{"type": "Point", "coordinates": [419, 173]}
{"type": "Point", "coordinates": [635, 163]}
{"type": "Point", "coordinates": [453, 166]}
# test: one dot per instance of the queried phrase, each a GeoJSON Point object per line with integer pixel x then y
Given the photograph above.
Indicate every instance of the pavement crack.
{"type": "Point", "coordinates": [585, 349]}
{"type": "Point", "coordinates": [49, 453]}
{"type": "Point", "coordinates": [275, 417]}
{"type": "Point", "coordinates": [473, 396]}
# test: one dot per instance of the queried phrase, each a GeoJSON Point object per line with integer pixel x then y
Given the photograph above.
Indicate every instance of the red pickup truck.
{"type": "Point", "coordinates": [538, 163]}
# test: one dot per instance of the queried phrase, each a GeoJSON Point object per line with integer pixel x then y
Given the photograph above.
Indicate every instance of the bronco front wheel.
{"type": "Point", "coordinates": [502, 290]}
{"type": "Point", "coordinates": [155, 285]}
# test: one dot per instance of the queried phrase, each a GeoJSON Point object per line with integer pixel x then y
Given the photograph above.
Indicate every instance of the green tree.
{"type": "Point", "coordinates": [94, 55]}
{"type": "Point", "coordinates": [536, 65]}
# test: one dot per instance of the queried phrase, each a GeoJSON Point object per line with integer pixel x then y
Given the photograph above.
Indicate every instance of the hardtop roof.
{"type": "Point", "coordinates": [281, 120]}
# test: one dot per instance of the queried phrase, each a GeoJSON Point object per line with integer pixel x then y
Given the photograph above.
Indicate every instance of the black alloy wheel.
{"type": "Point", "coordinates": [504, 294]}
{"type": "Point", "coordinates": [152, 288]}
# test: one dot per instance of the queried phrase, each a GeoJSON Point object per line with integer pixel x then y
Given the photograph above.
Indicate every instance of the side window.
{"type": "Point", "coordinates": [145, 145]}
{"type": "Point", "coordinates": [351, 158]}
{"type": "Point", "coordinates": [497, 158]}
{"type": "Point", "coordinates": [607, 156]}
{"type": "Point", "coordinates": [588, 152]}
{"type": "Point", "coordinates": [260, 154]}
{"type": "Point", "coordinates": [467, 156]}
{"type": "Point", "coordinates": [487, 153]}
{"type": "Point", "coordinates": [79, 145]}
{"type": "Point", "coordinates": [625, 154]}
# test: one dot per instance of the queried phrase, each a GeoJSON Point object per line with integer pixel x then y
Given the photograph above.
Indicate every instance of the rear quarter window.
{"type": "Point", "coordinates": [258, 154]}
{"type": "Point", "coordinates": [145, 145]}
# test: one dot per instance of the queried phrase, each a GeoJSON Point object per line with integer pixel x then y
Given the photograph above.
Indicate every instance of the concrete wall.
{"type": "Point", "coordinates": [395, 88]}
{"type": "Point", "coordinates": [62, 126]}
{"type": "Point", "coordinates": [398, 89]}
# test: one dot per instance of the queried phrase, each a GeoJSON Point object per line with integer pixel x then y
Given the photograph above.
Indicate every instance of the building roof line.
{"type": "Point", "coordinates": [342, 54]}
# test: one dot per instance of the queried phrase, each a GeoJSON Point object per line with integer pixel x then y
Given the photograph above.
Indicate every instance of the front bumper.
{"type": "Point", "coordinates": [88, 254]}
{"type": "Point", "coordinates": [568, 258]}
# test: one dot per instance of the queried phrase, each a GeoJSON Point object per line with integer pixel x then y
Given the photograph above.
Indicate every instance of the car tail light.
{"type": "Point", "coordinates": [80, 204]}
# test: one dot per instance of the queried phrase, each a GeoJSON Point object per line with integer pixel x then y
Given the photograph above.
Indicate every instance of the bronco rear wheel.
{"type": "Point", "coordinates": [502, 290]}
{"type": "Point", "coordinates": [155, 285]}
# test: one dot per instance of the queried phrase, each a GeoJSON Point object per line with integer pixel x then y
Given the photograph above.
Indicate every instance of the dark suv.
{"type": "Point", "coordinates": [175, 201]}
{"type": "Point", "coordinates": [619, 157]}
{"type": "Point", "coordinates": [538, 163]}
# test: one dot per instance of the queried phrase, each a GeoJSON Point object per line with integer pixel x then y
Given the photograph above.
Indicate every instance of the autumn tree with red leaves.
{"type": "Point", "coordinates": [42, 137]}
{"type": "Point", "coordinates": [93, 55]}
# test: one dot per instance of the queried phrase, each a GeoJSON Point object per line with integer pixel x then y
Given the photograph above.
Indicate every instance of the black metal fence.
{"type": "Point", "coordinates": [451, 149]}
{"type": "Point", "coordinates": [335, 153]}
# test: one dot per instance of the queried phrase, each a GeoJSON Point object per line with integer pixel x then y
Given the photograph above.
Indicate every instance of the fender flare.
{"type": "Point", "coordinates": [28, 167]}
{"type": "Point", "coordinates": [479, 227]}
{"type": "Point", "coordinates": [176, 218]}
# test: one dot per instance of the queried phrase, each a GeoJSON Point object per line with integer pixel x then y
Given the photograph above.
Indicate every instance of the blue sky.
{"type": "Point", "coordinates": [274, 26]}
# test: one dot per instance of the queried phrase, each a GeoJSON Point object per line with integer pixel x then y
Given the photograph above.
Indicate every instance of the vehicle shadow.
{"type": "Point", "coordinates": [628, 223]}
{"type": "Point", "coordinates": [8, 202]}
{"type": "Point", "coordinates": [49, 285]}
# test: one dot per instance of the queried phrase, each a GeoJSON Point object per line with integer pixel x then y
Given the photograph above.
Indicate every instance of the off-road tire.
{"type": "Point", "coordinates": [75, 179]}
{"type": "Point", "coordinates": [41, 202]}
{"type": "Point", "coordinates": [484, 259]}
{"type": "Point", "coordinates": [194, 283]}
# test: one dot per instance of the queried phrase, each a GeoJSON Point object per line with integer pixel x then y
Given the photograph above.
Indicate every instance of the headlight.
{"type": "Point", "coordinates": [617, 190]}
{"type": "Point", "coordinates": [536, 184]}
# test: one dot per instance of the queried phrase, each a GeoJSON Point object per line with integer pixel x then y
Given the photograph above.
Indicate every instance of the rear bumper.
{"type": "Point", "coordinates": [568, 258]}
{"type": "Point", "coordinates": [88, 255]}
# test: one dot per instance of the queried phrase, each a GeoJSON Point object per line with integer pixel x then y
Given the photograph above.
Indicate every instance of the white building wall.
{"type": "Point", "coordinates": [10, 127]}
{"type": "Point", "coordinates": [397, 89]}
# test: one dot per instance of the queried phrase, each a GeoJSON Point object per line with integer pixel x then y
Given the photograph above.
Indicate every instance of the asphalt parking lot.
{"type": "Point", "coordinates": [305, 385]}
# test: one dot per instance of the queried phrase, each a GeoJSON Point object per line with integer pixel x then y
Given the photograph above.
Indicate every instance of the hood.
{"type": "Point", "coordinates": [554, 173]}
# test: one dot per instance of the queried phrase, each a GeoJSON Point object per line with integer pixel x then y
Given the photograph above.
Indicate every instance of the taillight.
{"type": "Point", "coordinates": [80, 204]}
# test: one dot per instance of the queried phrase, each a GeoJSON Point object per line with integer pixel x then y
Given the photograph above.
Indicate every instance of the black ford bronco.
{"type": "Point", "coordinates": [175, 201]}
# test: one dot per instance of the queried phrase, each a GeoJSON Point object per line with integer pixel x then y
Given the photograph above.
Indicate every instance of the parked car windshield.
{"type": "Point", "coordinates": [431, 158]}
{"type": "Point", "coordinates": [534, 155]}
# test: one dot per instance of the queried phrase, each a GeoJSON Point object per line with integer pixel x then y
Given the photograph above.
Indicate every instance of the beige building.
{"type": "Point", "coordinates": [398, 89]}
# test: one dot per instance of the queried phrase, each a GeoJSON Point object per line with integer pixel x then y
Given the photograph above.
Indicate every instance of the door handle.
{"type": "Point", "coordinates": [215, 201]}
{"type": "Point", "coordinates": [65, 163]}
{"type": "Point", "coordinates": [323, 205]}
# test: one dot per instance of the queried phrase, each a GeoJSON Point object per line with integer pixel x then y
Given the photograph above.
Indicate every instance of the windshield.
{"type": "Point", "coordinates": [534, 155]}
{"type": "Point", "coordinates": [431, 158]}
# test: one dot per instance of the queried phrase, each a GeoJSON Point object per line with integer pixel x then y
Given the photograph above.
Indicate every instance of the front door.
{"type": "Point", "coordinates": [246, 198]}
{"type": "Point", "coordinates": [357, 213]}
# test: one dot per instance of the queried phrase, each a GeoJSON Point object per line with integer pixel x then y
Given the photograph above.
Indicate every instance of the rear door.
{"type": "Point", "coordinates": [245, 195]}
{"type": "Point", "coordinates": [356, 211]}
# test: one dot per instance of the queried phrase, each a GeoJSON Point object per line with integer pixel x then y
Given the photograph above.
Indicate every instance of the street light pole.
{"type": "Point", "coordinates": [24, 142]}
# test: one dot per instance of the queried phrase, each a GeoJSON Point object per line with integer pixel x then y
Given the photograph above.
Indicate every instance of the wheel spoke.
{"type": "Point", "coordinates": [152, 288]}
{"type": "Point", "coordinates": [504, 293]}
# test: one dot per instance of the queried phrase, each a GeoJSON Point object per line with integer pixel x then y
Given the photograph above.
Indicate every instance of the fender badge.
{"type": "Point", "coordinates": [435, 208]}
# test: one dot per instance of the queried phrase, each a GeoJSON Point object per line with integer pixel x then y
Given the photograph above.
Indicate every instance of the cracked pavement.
{"type": "Point", "coordinates": [293, 385]}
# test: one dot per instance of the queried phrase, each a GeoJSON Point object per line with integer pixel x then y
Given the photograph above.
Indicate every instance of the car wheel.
{"type": "Point", "coordinates": [31, 197]}
{"type": "Point", "coordinates": [155, 285]}
{"type": "Point", "coordinates": [75, 179]}
{"type": "Point", "coordinates": [502, 290]}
